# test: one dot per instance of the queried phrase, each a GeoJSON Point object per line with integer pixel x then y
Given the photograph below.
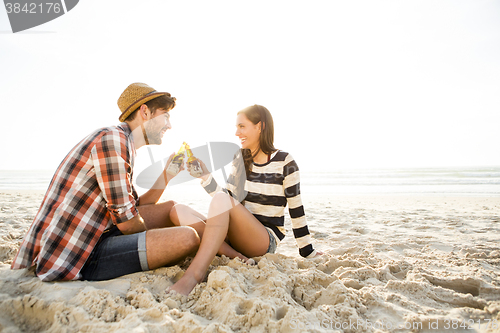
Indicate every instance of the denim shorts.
{"type": "Point", "coordinates": [115, 255]}
{"type": "Point", "coordinates": [272, 242]}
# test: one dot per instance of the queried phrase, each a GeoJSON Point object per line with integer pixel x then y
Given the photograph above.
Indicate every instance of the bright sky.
{"type": "Point", "coordinates": [351, 84]}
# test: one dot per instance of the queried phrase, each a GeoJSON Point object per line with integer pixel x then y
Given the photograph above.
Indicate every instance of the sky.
{"type": "Point", "coordinates": [350, 84]}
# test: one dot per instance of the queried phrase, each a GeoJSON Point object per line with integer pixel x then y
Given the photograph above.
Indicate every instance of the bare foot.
{"type": "Point", "coordinates": [246, 260]}
{"type": "Point", "coordinates": [250, 262]}
{"type": "Point", "coordinates": [184, 286]}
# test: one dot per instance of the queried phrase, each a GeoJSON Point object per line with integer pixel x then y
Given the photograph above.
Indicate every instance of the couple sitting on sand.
{"type": "Point", "coordinates": [92, 225]}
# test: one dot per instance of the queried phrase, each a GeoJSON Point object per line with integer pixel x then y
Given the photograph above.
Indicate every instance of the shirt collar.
{"type": "Point", "coordinates": [124, 126]}
{"type": "Point", "coordinates": [128, 132]}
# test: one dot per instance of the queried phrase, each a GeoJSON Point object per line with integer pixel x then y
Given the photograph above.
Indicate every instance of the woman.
{"type": "Point", "coordinates": [268, 180]}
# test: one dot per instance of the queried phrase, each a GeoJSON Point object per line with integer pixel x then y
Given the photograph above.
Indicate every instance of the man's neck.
{"type": "Point", "coordinates": [138, 133]}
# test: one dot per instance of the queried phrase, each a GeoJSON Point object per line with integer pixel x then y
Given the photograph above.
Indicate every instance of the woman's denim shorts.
{"type": "Point", "coordinates": [272, 242]}
{"type": "Point", "coordinates": [115, 255]}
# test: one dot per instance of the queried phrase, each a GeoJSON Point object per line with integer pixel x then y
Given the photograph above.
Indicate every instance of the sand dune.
{"type": "Point", "coordinates": [391, 264]}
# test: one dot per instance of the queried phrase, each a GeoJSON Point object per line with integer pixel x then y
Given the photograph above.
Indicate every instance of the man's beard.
{"type": "Point", "coordinates": [151, 134]}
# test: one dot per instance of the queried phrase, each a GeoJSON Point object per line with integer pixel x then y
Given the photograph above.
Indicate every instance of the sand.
{"type": "Point", "coordinates": [391, 264]}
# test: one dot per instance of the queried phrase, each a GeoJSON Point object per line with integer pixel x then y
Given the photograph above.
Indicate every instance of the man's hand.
{"type": "Point", "coordinates": [169, 174]}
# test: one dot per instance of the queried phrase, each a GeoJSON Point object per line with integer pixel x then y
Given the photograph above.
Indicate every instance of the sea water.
{"type": "Point", "coordinates": [478, 181]}
{"type": "Point", "coordinates": [470, 181]}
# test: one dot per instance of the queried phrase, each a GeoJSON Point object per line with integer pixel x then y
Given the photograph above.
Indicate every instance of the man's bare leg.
{"type": "Point", "coordinates": [170, 214]}
{"type": "Point", "coordinates": [166, 243]}
{"type": "Point", "coordinates": [165, 246]}
{"type": "Point", "coordinates": [157, 215]}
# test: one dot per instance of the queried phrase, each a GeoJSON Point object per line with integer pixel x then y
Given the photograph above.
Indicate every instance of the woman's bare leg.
{"type": "Point", "coordinates": [182, 215]}
{"type": "Point", "coordinates": [226, 216]}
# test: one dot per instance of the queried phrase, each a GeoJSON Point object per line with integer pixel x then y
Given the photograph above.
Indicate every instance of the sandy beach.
{"type": "Point", "coordinates": [391, 264]}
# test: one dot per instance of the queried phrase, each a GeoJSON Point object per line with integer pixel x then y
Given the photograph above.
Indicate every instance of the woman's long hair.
{"type": "Point", "coordinates": [258, 113]}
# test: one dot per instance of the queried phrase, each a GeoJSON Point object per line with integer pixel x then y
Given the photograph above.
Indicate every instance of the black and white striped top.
{"type": "Point", "coordinates": [270, 187]}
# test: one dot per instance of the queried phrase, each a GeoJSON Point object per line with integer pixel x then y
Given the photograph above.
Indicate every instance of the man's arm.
{"type": "Point", "coordinates": [112, 164]}
{"type": "Point", "coordinates": [153, 195]}
{"type": "Point", "coordinates": [132, 226]}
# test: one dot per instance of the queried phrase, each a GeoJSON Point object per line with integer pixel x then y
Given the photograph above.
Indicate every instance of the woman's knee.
{"type": "Point", "coordinates": [220, 197]}
{"type": "Point", "coordinates": [221, 203]}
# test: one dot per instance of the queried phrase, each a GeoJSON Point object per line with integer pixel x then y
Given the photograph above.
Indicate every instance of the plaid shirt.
{"type": "Point", "coordinates": [91, 190]}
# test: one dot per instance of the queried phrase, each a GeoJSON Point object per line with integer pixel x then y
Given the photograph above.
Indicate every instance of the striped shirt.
{"type": "Point", "coordinates": [91, 190]}
{"type": "Point", "coordinates": [269, 188]}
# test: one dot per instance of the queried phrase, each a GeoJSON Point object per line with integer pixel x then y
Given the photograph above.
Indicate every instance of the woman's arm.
{"type": "Point", "coordinates": [208, 182]}
{"type": "Point", "coordinates": [291, 185]}
{"type": "Point", "coordinates": [211, 186]}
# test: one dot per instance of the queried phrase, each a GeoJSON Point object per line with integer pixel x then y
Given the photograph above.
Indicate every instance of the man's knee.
{"type": "Point", "coordinates": [191, 238]}
{"type": "Point", "coordinates": [176, 207]}
{"type": "Point", "coordinates": [182, 215]}
{"type": "Point", "coordinates": [169, 205]}
{"type": "Point", "coordinates": [175, 212]}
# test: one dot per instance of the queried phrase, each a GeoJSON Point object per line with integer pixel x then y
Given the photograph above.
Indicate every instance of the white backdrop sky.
{"type": "Point", "coordinates": [351, 84]}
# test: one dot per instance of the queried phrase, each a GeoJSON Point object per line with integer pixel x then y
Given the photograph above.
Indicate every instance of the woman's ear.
{"type": "Point", "coordinates": [262, 125]}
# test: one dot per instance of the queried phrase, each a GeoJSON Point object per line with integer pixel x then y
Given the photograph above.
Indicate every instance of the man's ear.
{"type": "Point", "coordinates": [143, 111]}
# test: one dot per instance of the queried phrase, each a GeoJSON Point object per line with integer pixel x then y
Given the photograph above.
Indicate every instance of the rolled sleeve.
{"type": "Point", "coordinates": [122, 213]}
{"type": "Point", "coordinates": [111, 157]}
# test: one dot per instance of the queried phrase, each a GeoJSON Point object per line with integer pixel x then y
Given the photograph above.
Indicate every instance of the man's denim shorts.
{"type": "Point", "coordinates": [115, 255]}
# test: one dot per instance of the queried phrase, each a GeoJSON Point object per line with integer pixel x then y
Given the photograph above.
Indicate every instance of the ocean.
{"type": "Point", "coordinates": [477, 181]}
{"type": "Point", "coordinates": [470, 181]}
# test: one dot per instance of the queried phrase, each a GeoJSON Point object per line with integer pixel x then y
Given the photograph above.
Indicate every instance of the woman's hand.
{"type": "Point", "coordinates": [316, 254]}
{"type": "Point", "coordinates": [204, 171]}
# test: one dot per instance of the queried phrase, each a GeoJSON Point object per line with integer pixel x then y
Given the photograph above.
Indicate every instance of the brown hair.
{"type": "Point", "coordinates": [258, 113]}
{"type": "Point", "coordinates": [162, 102]}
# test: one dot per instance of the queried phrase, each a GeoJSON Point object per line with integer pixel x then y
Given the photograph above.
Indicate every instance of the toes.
{"type": "Point", "coordinates": [250, 262]}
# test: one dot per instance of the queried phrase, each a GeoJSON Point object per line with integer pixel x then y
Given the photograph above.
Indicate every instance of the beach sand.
{"type": "Point", "coordinates": [391, 264]}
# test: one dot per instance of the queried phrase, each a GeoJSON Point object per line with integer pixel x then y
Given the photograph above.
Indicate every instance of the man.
{"type": "Point", "coordinates": [91, 224]}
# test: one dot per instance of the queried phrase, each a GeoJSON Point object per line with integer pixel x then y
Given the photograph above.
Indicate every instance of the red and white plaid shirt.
{"type": "Point", "coordinates": [91, 190]}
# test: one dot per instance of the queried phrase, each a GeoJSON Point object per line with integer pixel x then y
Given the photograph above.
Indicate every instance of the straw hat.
{"type": "Point", "coordinates": [134, 96]}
